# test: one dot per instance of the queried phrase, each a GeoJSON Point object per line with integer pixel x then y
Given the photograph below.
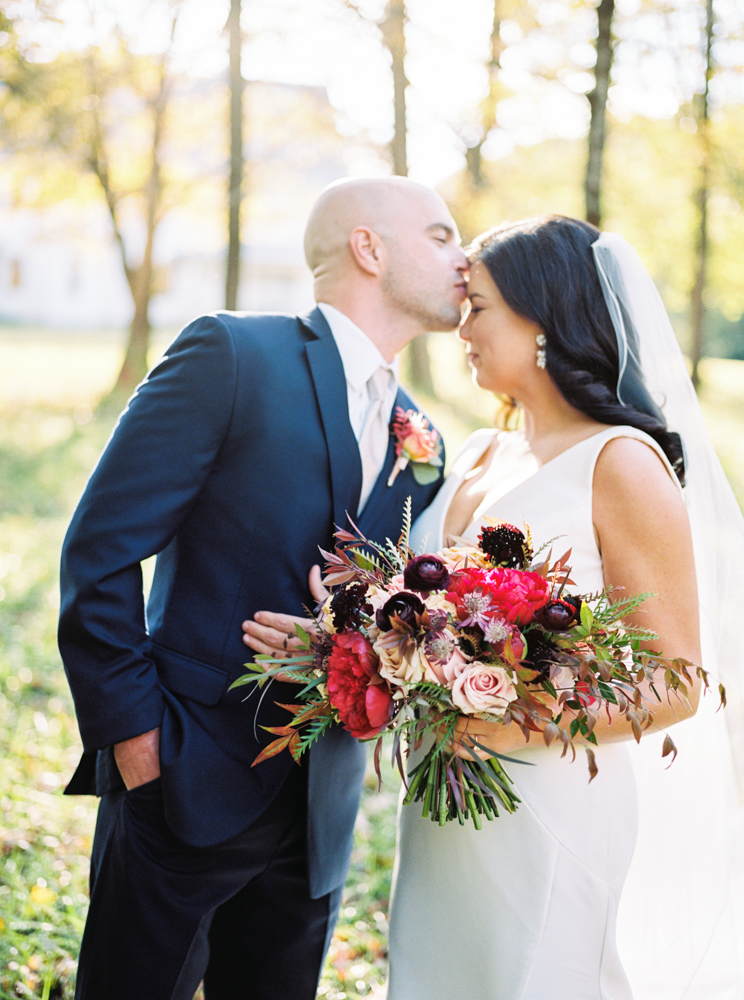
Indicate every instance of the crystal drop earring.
{"type": "Point", "coordinates": [540, 350]}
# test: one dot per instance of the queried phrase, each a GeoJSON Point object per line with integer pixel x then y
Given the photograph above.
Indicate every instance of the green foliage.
{"type": "Point", "coordinates": [314, 730]}
{"type": "Point", "coordinates": [405, 535]}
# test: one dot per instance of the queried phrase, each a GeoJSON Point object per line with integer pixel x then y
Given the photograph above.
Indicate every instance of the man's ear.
{"type": "Point", "coordinates": [367, 249]}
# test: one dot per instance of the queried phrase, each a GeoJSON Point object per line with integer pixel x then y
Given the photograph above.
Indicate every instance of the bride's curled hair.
{"type": "Point", "coordinates": [544, 269]}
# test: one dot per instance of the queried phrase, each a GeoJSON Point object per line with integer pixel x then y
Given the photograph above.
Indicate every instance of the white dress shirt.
{"type": "Point", "coordinates": [360, 359]}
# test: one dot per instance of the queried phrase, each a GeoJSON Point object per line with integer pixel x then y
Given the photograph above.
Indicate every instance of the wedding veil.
{"type": "Point", "coordinates": [682, 915]}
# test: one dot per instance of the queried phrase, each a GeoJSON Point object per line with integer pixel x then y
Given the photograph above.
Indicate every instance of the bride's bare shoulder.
{"type": "Point", "coordinates": [628, 458]}
{"type": "Point", "coordinates": [633, 483]}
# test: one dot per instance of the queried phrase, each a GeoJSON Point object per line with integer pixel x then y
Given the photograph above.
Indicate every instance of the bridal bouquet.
{"type": "Point", "coordinates": [408, 644]}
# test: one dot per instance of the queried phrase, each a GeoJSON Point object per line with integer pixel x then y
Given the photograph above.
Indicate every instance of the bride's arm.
{"type": "Point", "coordinates": [646, 546]}
{"type": "Point", "coordinates": [644, 538]}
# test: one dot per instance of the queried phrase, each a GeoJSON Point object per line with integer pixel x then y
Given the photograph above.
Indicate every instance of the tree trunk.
{"type": "Point", "coordinates": [393, 28]}
{"type": "Point", "coordinates": [598, 103]}
{"type": "Point", "coordinates": [235, 191]}
{"type": "Point", "coordinates": [134, 367]}
{"type": "Point", "coordinates": [697, 305]}
{"type": "Point", "coordinates": [474, 153]}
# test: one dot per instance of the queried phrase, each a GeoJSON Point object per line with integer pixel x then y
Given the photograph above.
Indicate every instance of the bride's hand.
{"type": "Point", "coordinates": [494, 735]}
{"type": "Point", "coordinates": [275, 634]}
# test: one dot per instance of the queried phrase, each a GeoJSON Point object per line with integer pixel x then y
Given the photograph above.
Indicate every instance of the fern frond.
{"type": "Point", "coordinates": [405, 533]}
{"type": "Point", "coordinates": [367, 560]}
{"type": "Point", "coordinates": [395, 557]}
{"type": "Point", "coordinates": [609, 612]}
{"type": "Point", "coordinates": [544, 546]}
{"type": "Point", "coordinates": [314, 730]}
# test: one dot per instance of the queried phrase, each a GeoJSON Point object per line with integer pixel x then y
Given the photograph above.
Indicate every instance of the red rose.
{"type": "Point", "coordinates": [354, 686]}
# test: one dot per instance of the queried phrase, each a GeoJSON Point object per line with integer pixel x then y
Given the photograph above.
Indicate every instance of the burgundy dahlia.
{"type": "Point", "coordinates": [540, 654]}
{"type": "Point", "coordinates": [426, 573]}
{"type": "Point", "coordinates": [347, 606]}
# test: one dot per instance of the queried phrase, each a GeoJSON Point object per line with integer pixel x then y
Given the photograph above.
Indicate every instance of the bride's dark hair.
{"type": "Point", "coordinates": [544, 269]}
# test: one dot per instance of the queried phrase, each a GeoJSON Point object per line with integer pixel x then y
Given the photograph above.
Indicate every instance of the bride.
{"type": "Point", "coordinates": [566, 322]}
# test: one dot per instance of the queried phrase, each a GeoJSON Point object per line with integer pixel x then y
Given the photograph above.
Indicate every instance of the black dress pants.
{"type": "Point", "coordinates": [163, 915]}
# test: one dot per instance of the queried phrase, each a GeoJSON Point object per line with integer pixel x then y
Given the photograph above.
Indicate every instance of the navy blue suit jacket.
{"type": "Point", "coordinates": [233, 461]}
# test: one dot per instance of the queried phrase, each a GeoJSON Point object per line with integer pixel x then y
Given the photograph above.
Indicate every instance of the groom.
{"type": "Point", "coordinates": [233, 461]}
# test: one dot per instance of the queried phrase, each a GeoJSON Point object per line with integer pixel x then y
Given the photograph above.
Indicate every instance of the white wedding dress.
{"type": "Point", "coordinates": [526, 908]}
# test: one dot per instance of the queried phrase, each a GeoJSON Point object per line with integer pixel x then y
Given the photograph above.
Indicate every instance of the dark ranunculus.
{"type": "Point", "coordinates": [406, 606]}
{"type": "Point", "coordinates": [426, 573]}
{"type": "Point", "coordinates": [559, 615]}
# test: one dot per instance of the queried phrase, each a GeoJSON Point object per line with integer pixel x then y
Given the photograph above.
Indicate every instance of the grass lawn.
{"type": "Point", "coordinates": [49, 441]}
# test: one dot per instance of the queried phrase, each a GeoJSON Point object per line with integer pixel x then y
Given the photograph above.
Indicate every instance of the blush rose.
{"type": "Point", "coordinates": [483, 687]}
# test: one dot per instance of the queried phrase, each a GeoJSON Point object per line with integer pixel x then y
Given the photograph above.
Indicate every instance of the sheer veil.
{"type": "Point", "coordinates": [681, 924]}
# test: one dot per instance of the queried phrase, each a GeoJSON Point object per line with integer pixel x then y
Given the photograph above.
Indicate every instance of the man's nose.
{"type": "Point", "coordinates": [461, 262]}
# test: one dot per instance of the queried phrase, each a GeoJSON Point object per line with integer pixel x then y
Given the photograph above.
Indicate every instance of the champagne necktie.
{"type": "Point", "coordinates": [373, 440]}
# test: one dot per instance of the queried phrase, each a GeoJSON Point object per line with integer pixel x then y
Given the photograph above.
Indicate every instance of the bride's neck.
{"type": "Point", "coordinates": [552, 425]}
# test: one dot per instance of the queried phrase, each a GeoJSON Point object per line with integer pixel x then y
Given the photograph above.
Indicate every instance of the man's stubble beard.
{"type": "Point", "coordinates": [412, 292]}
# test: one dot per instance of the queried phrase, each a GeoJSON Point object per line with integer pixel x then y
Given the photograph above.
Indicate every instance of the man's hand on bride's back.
{"type": "Point", "coordinates": [275, 634]}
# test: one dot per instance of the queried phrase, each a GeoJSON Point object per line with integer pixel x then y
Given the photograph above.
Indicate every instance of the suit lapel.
{"type": "Point", "coordinates": [330, 389]}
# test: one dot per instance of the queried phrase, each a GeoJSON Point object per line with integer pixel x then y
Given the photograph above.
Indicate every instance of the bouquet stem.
{"type": "Point", "coordinates": [481, 786]}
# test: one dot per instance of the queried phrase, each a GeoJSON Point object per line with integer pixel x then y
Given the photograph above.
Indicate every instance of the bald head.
{"type": "Point", "coordinates": [381, 204]}
{"type": "Point", "coordinates": [387, 254]}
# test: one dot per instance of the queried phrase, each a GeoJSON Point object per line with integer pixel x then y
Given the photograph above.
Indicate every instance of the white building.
{"type": "Point", "coordinates": [61, 268]}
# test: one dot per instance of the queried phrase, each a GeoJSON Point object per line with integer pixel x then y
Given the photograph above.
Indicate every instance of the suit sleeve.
{"type": "Point", "coordinates": [148, 477]}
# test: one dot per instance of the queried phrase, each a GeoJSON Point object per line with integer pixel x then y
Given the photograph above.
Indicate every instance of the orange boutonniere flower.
{"type": "Point", "coordinates": [416, 442]}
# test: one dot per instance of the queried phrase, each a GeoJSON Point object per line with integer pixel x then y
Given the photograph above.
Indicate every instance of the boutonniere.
{"type": "Point", "coordinates": [416, 442]}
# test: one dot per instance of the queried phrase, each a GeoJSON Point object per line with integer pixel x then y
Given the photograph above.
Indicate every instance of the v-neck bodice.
{"type": "Point", "coordinates": [554, 499]}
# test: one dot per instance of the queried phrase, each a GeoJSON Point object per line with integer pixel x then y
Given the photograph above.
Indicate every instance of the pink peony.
{"type": "Point", "coordinates": [483, 687]}
{"type": "Point", "coordinates": [513, 595]}
{"type": "Point", "coordinates": [355, 689]}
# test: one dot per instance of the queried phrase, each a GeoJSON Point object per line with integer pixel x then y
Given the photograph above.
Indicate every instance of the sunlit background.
{"type": "Point", "coordinates": [115, 167]}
